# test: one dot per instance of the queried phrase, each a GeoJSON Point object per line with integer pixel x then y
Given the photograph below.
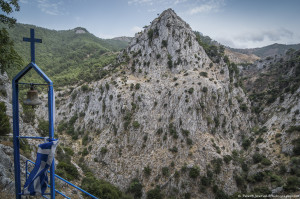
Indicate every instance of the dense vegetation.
{"type": "Point", "coordinates": [8, 56]}
{"type": "Point", "coordinates": [213, 49]}
{"type": "Point", "coordinates": [4, 120]}
{"type": "Point", "coordinates": [280, 76]}
{"type": "Point", "coordinates": [65, 56]}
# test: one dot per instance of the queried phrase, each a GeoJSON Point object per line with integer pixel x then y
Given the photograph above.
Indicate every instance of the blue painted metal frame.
{"type": "Point", "coordinates": [16, 132]}
{"type": "Point", "coordinates": [15, 101]}
{"type": "Point", "coordinates": [57, 176]}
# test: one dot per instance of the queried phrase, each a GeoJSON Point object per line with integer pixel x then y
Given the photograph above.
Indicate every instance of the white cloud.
{"type": "Point", "coordinates": [151, 10]}
{"type": "Point", "coordinates": [179, 1]}
{"type": "Point", "coordinates": [254, 39]}
{"type": "Point", "coordinates": [207, 6]}
{"type": "Point", "coordinates": [49, 7]}
{"type": "Point", "coordinates": [136, 2]}
{"type": "Point", "coordinates": [271, 35]}
{"type": "Point", "coordinates": [136, 29]}
{"type": "Point", "coordinates": [156, 2]}
{"type": "Point", "coordinates": [24, 1]}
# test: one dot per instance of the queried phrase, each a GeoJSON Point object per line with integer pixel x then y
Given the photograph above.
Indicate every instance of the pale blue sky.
{"type": "Point", "coordinates": [235, 23]}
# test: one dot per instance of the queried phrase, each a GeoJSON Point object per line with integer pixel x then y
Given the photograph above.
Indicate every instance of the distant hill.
{"type": "Point", "coordinates": [268, 51]}
{"type": "Point", "coordinates": [123, 38]}
{"type": "Point", "coordinates": [67, 55]}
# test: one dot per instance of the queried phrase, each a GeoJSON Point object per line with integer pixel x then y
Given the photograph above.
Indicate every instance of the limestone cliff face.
{"type": "Point", "coordinates": [168, 107]}
{"type": "Point", "coordinates": [6, 146]}
{"type": "Point", "coordinates": [273, 86]}
{"type": "Point", "coordinates": [167, 41]}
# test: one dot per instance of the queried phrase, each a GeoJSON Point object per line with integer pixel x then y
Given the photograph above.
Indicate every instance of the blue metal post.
{"type": "Point", "coordinates": [51, 136]}
{"type": "Point", "coordinates": [16, 139]}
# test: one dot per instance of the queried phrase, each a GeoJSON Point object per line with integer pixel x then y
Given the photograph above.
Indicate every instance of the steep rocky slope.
{"type": "Point", "coordinates": [165, 109]}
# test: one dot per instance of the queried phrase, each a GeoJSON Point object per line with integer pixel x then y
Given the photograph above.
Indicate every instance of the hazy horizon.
{"type": "Point", "coordinates": [237, 24]}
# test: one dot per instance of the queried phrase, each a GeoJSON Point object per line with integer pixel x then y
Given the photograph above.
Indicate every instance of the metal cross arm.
{"type": "Point", "coordinates": [32, 40]}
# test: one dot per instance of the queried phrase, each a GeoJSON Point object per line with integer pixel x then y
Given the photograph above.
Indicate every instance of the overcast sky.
{"type": "Point", "coordinates": [234, 23]}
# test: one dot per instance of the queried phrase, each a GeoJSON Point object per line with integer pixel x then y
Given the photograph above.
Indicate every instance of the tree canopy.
{"type": "Point", "coordinates": [8, 56]}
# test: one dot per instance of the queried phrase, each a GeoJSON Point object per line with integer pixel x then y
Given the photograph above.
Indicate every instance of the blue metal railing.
{"type": "Point", "coordinates": [60, 178]}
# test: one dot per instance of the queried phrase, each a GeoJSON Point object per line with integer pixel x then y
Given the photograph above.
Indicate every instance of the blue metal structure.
{"type": "Point", "coordinates": [60, 178]}
{"type": "Point", "coordinates": [16, 133]}
{"type": "Point", "coordinates": [15, 101]}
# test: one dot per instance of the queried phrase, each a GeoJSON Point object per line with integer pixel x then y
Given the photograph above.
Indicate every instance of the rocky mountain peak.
{"type": "Point", "coordinates": [80, 30]}
{"type": "Point", "coordinates": [166, 45]}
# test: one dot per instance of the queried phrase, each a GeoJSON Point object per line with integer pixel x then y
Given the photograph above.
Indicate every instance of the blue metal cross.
{"type": "Point", "coordinates": [32, 40]}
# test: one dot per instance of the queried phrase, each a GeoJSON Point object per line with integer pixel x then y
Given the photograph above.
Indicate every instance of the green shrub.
{"type": "Point", "coordinates": [246, 143]}
{"type": "Point", "coordinates": [293, 128]}
{"type": "Point", "coordinates": [259, 140]}
{"type": "Point", "coordinates": [204, 89]}
{"type": "Point", "coordinates": [191, 90]}
{"type": "Point", "coordinates": [159, 131]}
{"type": "Point", "coordinates": [85, 152]}
{"type": "Point", "coordinates": [174, 149]}
{"type": "Point", "coordinates": [257, 158]}
{"type": "Point", "coordinates": [205, 181]}
{"type": "Point", "coordinates": [43, 128]}
{"type": "Point", "coordinates": [244, 107]}
{"type": "Point", "coordinates": [137, 86]}
{"type": "Point", "coordinates": [189, 141]}
{"type": "Point", "coordinates": [240, 182]}
{"type": "Point", "coordinates": [73, 120]}
{"type": "Point", "coordinates": [266, 162]}
{"type": "Point", "coordinates": [107, 86]}
{"type": "Point", "coordinates": [103, 150]}
{"type": "Point", "coordinates": [220, 194]}
{"type": "Point", "coordinates": [245, 167]}
{"type": "Point", "coordinates": [185, 132]}
{"type": "Point", "coordinates": [101, 188]}
{"type": "Point", "coordinates": [147, 171]}
{"type": "Point", "coordinates": [258, 177]}
{"type": "Point", "coordinates": [296, 149]}
{"type": "Point", "coordinates": [164, 43]}
{"type": "Point", "coordinates": [170, 62]}
{"type": "Point", "coordinates": [294, 163]}
{"type": "Point", "coordinates": [85, 140]}
{"type": "Point", "coordinates": [150, 34]}
{"type": "Point", "coordinates": [172, 130]}
{"type": "Point", "coordinates": [227, 158]}
{"type": "Point", "coordinates": [67, 171]}
{"type": "Point", "coordinates": [135, 188]}
{"type": "Point", "coordinates": [85, 88]}
{"type": "Point", "coordinates": [69, 151]}
{"type": "Point", "coordinates": [262, 190]}
{"type": "Point", "coordinates": [282, 169]}
{"type": "Point", "coordinates": [276, 179]}
{"type": "Point", "coordinates": [25, 147]}
{"type": "Point", "coordinates": [154, 194]}
{"type": "Point", "coordinates": [292, 184]}
{"type": "Point", "coordinates": [217, 163]}
{"type": "Point", "coordinates": [165, 171]}
{"type": "Point", "coordinates": [136, 124]}
{"type": "Point", "coordinates": [29, 114]}
{"type": "Point", "coordinates": [204, 74]}
{"type": "Point", "coordinates": [194, 172]}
